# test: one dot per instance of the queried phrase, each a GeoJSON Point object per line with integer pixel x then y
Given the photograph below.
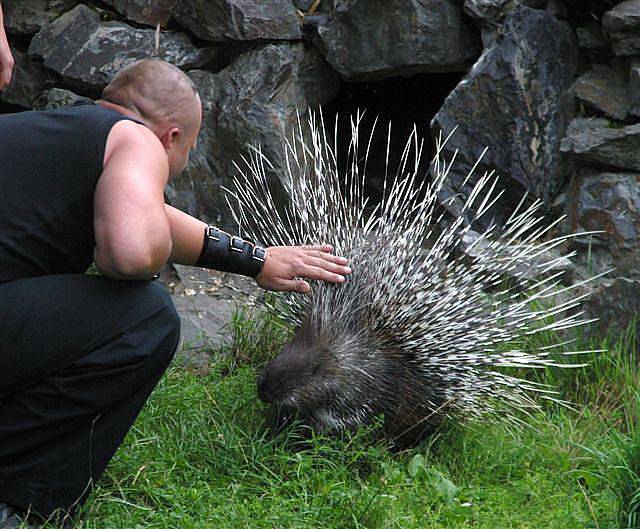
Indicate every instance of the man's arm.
{"type": "Point", "coordinates": [132, 231]}
{"type": "Point", "coordinates": [283, 267]}
{"type": "Point", "coordinates": [6, 58]}
{"type": "Point", "coordinates": [136, 232]}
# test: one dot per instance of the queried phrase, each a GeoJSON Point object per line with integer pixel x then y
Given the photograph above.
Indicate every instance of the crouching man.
{"type": "Point", "coordinates": [80, 354]}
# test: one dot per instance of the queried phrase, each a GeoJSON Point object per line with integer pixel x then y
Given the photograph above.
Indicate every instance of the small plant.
{"type": "Point", "coordinates": [628, 485]}
{"type": "Point", "coordinates": [254, 337]}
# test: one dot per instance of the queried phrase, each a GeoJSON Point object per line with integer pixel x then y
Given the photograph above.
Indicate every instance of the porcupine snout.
{"type": "Point", "coordinates": [290, 370]}
{"type": "Point", "coordinates": [279, 376]}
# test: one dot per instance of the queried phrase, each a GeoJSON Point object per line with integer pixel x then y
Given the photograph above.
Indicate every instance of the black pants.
{"type": "Point", "coordinates": [79, 355]}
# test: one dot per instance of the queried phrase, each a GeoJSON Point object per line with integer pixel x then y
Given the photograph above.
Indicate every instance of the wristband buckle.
{"type": "Point", "coordinates": [213, 233]}
{"type": "Point", "coordinates": [236, 244]}
{"type": "Point", "coordinates": [259, 253]}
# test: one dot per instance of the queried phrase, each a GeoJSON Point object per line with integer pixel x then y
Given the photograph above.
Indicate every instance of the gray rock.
{"type": "Point", "coordinates": [58, 97]}
{"type": "Point", "coordinates": [557, 8]}
{"type": "Point", "coordinates": [634, 88]}
{"type": "Point", "coordinates": [605, 89]}
{"type": "Point", "coordinates": [623, 27]}
{"type": "Point", "coordinates": [602, 142]}
{"type": "Point", "coordinates": [512, 101]}
{"type": "Point", "coordinates": [28, 81]}
{"type": "Point", "coordinates": [26, 17]}
{"type": "Point", "coordinates": [205, 301]}
{"type": "Point", "coordinates": [252, 101]}
{"type": "Point", "coordinates": [615, 305]}
{"type": "Point", "coordinates": [87, 52]}
{"type": "Point", "coordinates": [375, 39]}
{"type": "Point", "coordinates": [305, 6]}
{"type": "Point", "coordinates": [149, 12]}
{"type": "Point", "coordinates": [492, 11]}
{"type": "Point", "coordinates": [240, 20]}
{"type": "Point", "coordinates": [609, 203]}
{"type": "Point", "coordinates": [590, 37]}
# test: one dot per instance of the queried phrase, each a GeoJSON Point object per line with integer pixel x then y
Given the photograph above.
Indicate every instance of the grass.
{"type": "Point", "coordinates": [200, 456]}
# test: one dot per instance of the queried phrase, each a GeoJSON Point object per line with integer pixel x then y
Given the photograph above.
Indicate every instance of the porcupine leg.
{"type": "Point", "coordinates": [74, 376]}
{"type": "Point", "coordinates": [407, 424]}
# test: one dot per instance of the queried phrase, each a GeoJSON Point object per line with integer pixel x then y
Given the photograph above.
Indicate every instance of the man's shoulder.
{"type": "Point", "coordinates": [130, 135]}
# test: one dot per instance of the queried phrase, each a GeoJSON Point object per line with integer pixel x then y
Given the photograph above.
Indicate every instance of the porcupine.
{"type": "Point", "coordinates": [413, 334]}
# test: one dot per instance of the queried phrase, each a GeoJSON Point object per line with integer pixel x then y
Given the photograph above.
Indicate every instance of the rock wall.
{"type": "Point", "coordinates": [552, 87]}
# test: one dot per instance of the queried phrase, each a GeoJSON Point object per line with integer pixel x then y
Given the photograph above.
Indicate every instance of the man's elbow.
{"type": "Point", "coordinates": [138, 265]}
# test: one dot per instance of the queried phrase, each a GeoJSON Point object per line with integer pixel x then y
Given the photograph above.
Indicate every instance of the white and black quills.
{"type": "Point", "coordinates": [420, 330]}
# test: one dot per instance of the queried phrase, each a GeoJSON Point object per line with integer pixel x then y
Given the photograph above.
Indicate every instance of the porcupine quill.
{"type": "Point", "coordinates": [414, 333]}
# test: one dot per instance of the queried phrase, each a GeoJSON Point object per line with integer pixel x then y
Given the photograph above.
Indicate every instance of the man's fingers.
{"type": "Point", "coordinates": [293, 285]}
{"type": "Point", "coordinates": [5, 77]}
{"type": "Point", "coordinates": [316, 272]}
{"type": "Point", "coordinates": [6, 70]}
{"type": "Point", "coordinates": [328, 265]}
{"type": "Point", "coordinates": [325, 251]}
{"type": "Point", "coordinates": [321, 247]}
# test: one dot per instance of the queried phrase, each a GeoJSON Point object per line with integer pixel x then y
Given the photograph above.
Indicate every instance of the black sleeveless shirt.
{"type": "Point", "coordinates": [50, 162]}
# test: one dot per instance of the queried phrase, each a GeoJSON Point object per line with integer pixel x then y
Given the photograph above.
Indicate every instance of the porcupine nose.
{"type": "Point", "coordinates": [264, 388]}
{"type": "Point", "coordinates": [270, 387]}
{"type": "Point", "coordinates": [272, 383]}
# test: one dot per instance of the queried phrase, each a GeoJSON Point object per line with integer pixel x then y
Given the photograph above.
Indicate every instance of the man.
{"type": "Point", "coordinates": [80, 354]}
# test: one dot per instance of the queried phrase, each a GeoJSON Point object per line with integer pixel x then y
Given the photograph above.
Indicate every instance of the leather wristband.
{"type": "Point", "coordinates": [229, 253]}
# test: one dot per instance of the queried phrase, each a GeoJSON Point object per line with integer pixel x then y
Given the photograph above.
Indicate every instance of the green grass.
{"type": "Point", "coordinates": [200, 456]}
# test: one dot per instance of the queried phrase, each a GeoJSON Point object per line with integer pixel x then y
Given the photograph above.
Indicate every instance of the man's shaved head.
{"type": "Point", "coordinates": [165, 99]}
{"type": "Point", "coordinates": [158, 92]}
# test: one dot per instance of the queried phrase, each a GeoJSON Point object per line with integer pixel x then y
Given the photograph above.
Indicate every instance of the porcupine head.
{"type": "Point", "coordinates": [340, 370]}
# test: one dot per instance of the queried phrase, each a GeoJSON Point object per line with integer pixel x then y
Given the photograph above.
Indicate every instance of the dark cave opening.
{"type": "Point", "coordinates": [404, 102]}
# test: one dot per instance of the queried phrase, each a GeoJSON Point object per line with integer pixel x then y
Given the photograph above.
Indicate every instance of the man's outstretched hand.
{"type": "Point", "coordinates": [286, 267]}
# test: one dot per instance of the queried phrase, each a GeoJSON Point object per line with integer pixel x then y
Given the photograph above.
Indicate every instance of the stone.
{"type": "Point", "coordinates": [590, 37]}
{"type": "Point", "coordinates": [149, 12]}
{"type": "Point", "coordinates": [252, 101]}
{"type": "Point", "coordinates": [205, 301]}
{"type": "Point", "coordinates": [605, 89]}
{"type": "Point", "coordinates": [491, 12]}
{"type": "Point", "coordinates": [609, 203]}
{"type": "Point", "coordinates": [557, 8]}
{"type": "Point", "coordinates": [87, 52]}
{"type": "Point", "coordinates": [603, 142]}
{"type": "Point", "coordinates": [513, 102]}
{"type": "Point", "coordinates": [622, 24]}
{"type": "Point", "coordinates": [28, 81]}
{"type": "Point", "coordinates": [58, 97]}
{"type": "Point", "coordinates": [615, 305]}
{"type": "Point", "coordinates": [376, 39]}
{"type": "Point", "coordinates": [312, 6]}
{"type": "Point", "coordinates": [634, 88]}
{"type": "Point", "coordinates": [240, 20]}
{"type": "Point", "coordinates": [588, 10]}
{"type": "Point", "coordinates": [27, 17]}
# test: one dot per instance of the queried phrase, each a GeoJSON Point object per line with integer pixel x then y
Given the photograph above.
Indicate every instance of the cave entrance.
{"type": "Point", "coordinates": [404, 102]}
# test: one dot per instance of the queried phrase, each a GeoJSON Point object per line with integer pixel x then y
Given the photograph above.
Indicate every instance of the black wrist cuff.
{"type": "Point", "coordinates": [227, 253]}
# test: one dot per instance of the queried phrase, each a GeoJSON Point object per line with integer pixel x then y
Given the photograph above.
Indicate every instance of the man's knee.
{"type": "Point", "coordinates": [158, 322]}
{"type": "Point", "coordinates": [167, 317]}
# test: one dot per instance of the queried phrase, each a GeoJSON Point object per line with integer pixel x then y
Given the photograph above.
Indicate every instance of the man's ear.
{"type": "Point", "coordinates": [170, 137]}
